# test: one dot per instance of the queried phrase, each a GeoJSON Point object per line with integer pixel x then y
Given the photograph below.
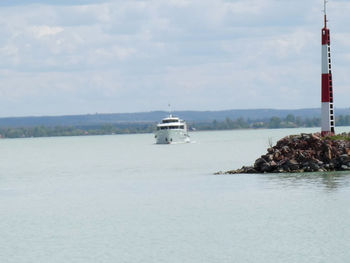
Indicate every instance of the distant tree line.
{"type": "Point", "coordinates": [290, 121]}
{"type": "Point", "coordinates": [44, 131]}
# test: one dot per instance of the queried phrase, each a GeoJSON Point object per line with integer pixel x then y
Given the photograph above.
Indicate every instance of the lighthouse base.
{"type": "Point", "coordinates": [327, 133]}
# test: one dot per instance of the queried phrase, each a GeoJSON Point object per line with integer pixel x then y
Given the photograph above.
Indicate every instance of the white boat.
{"type": "Point", "coordinates": [172, 130]}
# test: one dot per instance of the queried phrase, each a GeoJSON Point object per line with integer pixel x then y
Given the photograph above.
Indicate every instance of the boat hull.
{"type": "Point", "coordinates": [172, 136]}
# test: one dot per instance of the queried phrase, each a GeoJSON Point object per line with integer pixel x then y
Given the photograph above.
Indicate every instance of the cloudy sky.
{"type": "Point", "coordinates": [86, 56]}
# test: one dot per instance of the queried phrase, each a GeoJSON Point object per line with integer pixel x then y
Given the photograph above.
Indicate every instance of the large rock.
{"type": "Point", "coordinates": [304, 153]}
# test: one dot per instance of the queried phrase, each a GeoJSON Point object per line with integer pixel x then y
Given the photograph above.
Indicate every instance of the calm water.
{"type": "Point", "coordinates": [123, 199]}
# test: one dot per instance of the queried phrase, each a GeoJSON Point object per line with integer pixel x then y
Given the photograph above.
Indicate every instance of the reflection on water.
{"type": "Point", "coordinates": [329, 181]}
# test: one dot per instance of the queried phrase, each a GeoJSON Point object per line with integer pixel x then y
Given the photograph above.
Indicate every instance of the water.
{"type": "Point", "coordinates": [123, 199]}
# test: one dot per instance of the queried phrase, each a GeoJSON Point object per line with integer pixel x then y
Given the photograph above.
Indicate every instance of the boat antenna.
{"type": "Point", "coordinates": [169, 106]}
{"type": "Point", "coordinates": [325, 13]}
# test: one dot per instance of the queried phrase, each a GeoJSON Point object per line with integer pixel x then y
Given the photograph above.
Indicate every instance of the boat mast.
{"type": "Point", "coordinates": [170, 111]}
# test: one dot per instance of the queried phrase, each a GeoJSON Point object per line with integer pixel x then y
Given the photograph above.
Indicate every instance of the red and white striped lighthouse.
{"type": "Point", "coordinates": [327, 122]}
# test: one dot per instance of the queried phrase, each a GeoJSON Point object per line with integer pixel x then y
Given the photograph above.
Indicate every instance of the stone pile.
{"type": "Point", "coordinates": [303, 153]}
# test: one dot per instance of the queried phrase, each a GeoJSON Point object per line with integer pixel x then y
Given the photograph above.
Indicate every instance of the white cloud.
{"type": "Point", "coordinates": [130, 55]}
{"type": "Point", "coordinates": [249, 7]}
{"type": "Point", "coordinates": [44, 31]}
{"type": "Point", "coordinates": [9, 51]}
{"type": "Point", "coordinates": [291, 44]}
{"type": "Point", "coordinates": [342, 39]}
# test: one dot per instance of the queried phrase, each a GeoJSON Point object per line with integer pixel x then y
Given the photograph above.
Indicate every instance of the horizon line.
{"type": "Point", "coordinates": [152, 111]}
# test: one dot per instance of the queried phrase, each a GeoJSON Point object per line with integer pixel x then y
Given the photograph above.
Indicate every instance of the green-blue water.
{"type": "Point", "coordinates": [123, 199]}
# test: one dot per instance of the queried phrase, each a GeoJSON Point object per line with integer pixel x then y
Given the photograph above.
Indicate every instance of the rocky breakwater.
{"type": "Point", "coordinates": [303, 153]}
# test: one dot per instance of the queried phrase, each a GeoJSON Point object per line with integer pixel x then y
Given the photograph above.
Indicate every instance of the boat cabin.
{"type": "Point", "coordinates": [171, 123]}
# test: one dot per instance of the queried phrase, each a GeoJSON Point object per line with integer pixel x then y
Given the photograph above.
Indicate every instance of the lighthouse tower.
{"type": "Point", "coordinates": [327, 122]}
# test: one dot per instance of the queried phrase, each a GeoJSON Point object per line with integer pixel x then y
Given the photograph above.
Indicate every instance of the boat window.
{"type": "Point", "coordinates": [169, 120]}
{"type": "Point", "coordinates": [172, 127]}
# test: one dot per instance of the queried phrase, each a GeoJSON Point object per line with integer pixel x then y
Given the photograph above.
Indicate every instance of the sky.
{"type": "Point", "coordinates": [60, 57]}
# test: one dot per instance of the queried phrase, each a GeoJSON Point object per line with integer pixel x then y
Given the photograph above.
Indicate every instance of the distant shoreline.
{"type": "Point", "coordinates": [98, 119]}
{"type": "Point", "coordinates": [146, 128]}
{"type": "Point", "coordinates": [137, 123]}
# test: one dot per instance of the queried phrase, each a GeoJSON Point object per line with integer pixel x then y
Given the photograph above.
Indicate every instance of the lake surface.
{"type": "Point", "coordinates": [123, 199]}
